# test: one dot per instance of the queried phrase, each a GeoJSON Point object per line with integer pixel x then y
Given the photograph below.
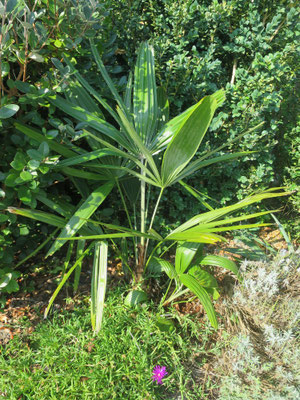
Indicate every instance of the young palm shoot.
{"type": "Point", "coordinates": [99, 278]}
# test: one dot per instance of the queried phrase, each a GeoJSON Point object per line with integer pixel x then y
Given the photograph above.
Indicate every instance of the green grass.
{"type": "Point", "coordinates": [254, 355]}
{"type": "Point", "coordinates": [62, 359]}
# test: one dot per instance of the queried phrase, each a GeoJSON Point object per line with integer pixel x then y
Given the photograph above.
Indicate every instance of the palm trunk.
{"type": "Point", "coordinates": [140, 265]}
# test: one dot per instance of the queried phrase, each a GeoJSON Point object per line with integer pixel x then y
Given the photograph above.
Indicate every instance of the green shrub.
{"type": "Point", "coordinates": [249, 48]}
{"type": "Point", "coordinates": [33, 33]}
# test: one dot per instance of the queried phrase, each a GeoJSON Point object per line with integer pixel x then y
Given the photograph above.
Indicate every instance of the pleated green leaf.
{"type": "Point", "coordinates": [170, 129]}
{"type": "Point", "coordinates": [122, 234]}
{"type": "Point", "coordinates": [185, 143]}
{"type": "Point", "coordinates": [203, 228]}
{"type": "Point", "coordinates": [90, 89]}
{"type": "Point", "coordinates": [185, 253]}
{"type": "Point", "coordinates": [156, 265]}
{"type": "Point", "coordinates": [61, 209]}
{"type": "Point", "coordinates": [134, 232]}
{"type": "Point", "coordinates": [77, 273]}
{"type": "Point", "coordinates": [209, 216]}
{"type": "Point", "coordinates": [163, 108]}
{"type": "Point", "coordinates": [132, 189]}
{"type": "Point", "coordinates": [144, 152]}
{"type": "Point", "coordinates": [67, 210]}
{"type": "Point", "coordinates": [84, 212]}
{"type": "Point", "coordinates": [222, 262]}
{"type": "Point", "coordinates": [41, 216]}
{"type": "Point", "coordinates": [196, 237]}
{"type": "Point", "coordinates": [90, 119]}
{"type": "Point", "coordinates": [198, 164]}
{"type": "Point", "coordinates": [82, 158]}
{"type": "Point", "coordinates": [47, 218]}
{"type": "Point", "coordinates": [128, 93]}
{"type": "Point", "coordinates": [36, 135]}
{"type": "Point", "coordinates": [157, 235]}
{"type": "Point", "coordinates": [100, 236]}
{"type": "Point", "coordinates": [232, 220]}
{"type": "Point", "coordinates": [80, 173]}
{"type": "Point", "coordinates": [197, 194]}
{"type": "Point", "coordinates": [231, 141]}
{"type": "Point", "coordinates": [122, 171]}
{"type": "Point", "coordinates": [77, 95]}
{"type": "Point", "coordinates": [145, 108]}
{"type": "Point", "coordinates": [195, 287]}
{"type": "Point", "coordinates": [203, 277]}
{"type": "Point", "coordinates": [108, 81]}
{"type": "Point", "coordinates": [125, 155]}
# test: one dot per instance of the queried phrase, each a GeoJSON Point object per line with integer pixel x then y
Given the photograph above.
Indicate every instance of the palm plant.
{"type": "Point", "coordinates": [142, 148]}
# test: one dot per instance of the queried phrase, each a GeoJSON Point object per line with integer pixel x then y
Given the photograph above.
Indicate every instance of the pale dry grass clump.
{"type": "Point", "coordinates": [262, 358]}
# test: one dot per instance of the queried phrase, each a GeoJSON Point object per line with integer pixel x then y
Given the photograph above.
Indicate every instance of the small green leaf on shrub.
{"type": "Point", "coordinates": [25, 176]}
{"type": "Point", "coordinates": [12, 286]}
{"type": "Point", "coordinates": [23, 87]}
{"type": "Point", "coordinates": [18, 162]}
{"type": "Point", "coordinates": [3, 217]}
{"type": "Point", "coordinates": [44, 149]}
{"type": "Point", "coordinates": [10, 180]}
{"type": "Point", "coordinates": [33, 164]}
{"type": "Point", "coordinates": [8, 111]}
{"type": "Point", "coordinates": [44, 169]}
{"type": "Point", "coordinates": [35, 155]}
{"type": "Point", "coordinates": [58, 43]}
{"type": "Point", "coordinates": [24, 194]}
{"type": "Point", "coordinates": [52, 134]}
{"type": "Point", "coordinates": [4, 69]}
{"type": "Point", "coordinates": [4, 281]}
{"type": "Point", "coordinates": [24, 230]}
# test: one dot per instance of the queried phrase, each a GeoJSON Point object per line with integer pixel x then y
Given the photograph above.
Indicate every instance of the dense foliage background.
{"type": "Point", "coordinates": [248, 48]}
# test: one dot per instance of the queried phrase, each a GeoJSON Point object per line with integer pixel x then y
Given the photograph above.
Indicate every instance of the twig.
{"type": "Point", "coordinates": [277, 30]}
{"type": "Point", "coordinates": [233, 71]}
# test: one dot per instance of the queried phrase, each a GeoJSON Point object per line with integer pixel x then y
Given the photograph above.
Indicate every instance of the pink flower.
{"type": "Point", "coordinates": [158, 374]}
